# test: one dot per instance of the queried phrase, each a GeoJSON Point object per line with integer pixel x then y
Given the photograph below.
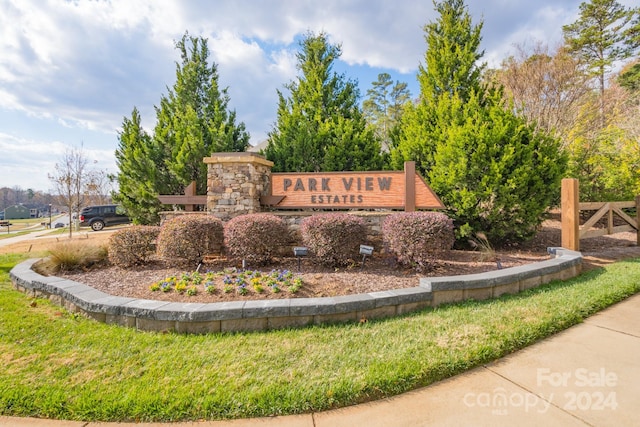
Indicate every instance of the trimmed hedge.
{"type": "Point", "coordinates": [133, 245]}
{"type": "Point", "coordinates": [255, 237]}
{"type": "Point", "coordinates": [334, 238]}
{"type": "Point", "coordinates": [187, 239]}
{"type": "Point", "coordinates": [417, 238]}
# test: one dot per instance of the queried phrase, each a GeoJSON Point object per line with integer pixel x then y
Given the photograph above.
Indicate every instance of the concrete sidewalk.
{"type": "Point", "coordinates": [29, 236]}
{"type": "Point", "coordinates": [588, 375]}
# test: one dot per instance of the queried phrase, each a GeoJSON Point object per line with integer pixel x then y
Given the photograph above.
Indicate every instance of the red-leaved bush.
{"type": "Point", "coordinates": [333, 238]}
{"type": "Point", "coordinates": [255, 237]}
{"type": "Point", "coordinates": [417, 238]}
{"type": "Point", "coordinates": [187, 239]}
{"type": "Point", "coordinates": [133, 245]}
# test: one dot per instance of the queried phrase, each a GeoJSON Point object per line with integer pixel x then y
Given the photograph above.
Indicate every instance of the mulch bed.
{"type": "Point", "coordinates": [377, 274]}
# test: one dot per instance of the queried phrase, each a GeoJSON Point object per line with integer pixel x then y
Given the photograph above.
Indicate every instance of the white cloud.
{"type": "Point", "coordinates": [73, 69]}
{"type": "Point", "coordinates": [232, 51]}
{"type": "Point", "coordinates": [24, 160]}
{"type": "Point", "coordinates": [28, 162]}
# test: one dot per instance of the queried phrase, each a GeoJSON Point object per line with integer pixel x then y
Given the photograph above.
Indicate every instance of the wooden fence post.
{"type": "Point", "coordinates": [409, 186]}
{"type": "Point", "coordinates": [570, 206]}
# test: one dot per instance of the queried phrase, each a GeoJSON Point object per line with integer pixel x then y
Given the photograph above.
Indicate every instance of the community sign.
{"type": "Point", "coordinates": [352, 190]}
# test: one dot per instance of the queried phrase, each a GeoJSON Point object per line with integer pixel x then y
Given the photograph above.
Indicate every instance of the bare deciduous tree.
{"type": "Point", "coordinates": [99, 186]}
{"type": "Point", "coordinates": [628, 82]}
{"type": "Point", "coordinates": [69, 181]}
{"type": "Point", "coordinates": [546, 88]}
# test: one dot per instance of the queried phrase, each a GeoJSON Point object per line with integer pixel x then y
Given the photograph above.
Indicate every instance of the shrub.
{"type": "Point", "coordinates": [255, 237]}
{"type": "Point", "coordinates": [73, 255]}
{"type": "Point", "coordinates": [417, 238]}
{"type": "Point", "coordinates": [133, 245]}
{"type": "Point", "coordinates": [334, 238]}
{"type": "Point", "coordinates": [187, 239]}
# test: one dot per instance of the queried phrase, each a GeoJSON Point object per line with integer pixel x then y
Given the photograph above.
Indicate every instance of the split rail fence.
{"type": "Point", "coordinates": [571, 207]}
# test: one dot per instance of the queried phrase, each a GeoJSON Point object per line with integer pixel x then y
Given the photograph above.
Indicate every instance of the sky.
{"type": "Point", "coordinates": [71, 71]}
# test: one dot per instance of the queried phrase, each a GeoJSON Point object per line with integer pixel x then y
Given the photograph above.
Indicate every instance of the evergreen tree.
{"type": "Point", "coordinates": [629, 78]}
{"type": "Point", "coordinates": [602, 35]}
{"type": "Point", "coordinates": [452, 66]}
{"type": "Point", "coordinates": [138, 172]}
{"type": "Point", "coordinates": [320, 126]}
{"type": "Point", "coordinates": [383, 108]}
{"type": "Point", "coordinates": [452, 59]}
{"type": "Point", "coordinates": [607, 160]}
{"type": "Point", "coordinates": [492, 170]}
{"type": "Point", "coordinates": [193, 120]}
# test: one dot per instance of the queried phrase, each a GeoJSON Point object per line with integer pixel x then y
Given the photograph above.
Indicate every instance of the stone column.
{"type": "Point", "coordinates": [235, 182]}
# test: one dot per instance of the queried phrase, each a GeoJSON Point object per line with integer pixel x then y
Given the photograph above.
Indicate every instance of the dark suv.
{"type": "Point", "coordinates": [99, 217]}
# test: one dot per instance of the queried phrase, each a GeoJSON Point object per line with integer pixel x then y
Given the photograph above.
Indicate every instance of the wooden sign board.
{"type": "Point", "coordinates": [352, 190]}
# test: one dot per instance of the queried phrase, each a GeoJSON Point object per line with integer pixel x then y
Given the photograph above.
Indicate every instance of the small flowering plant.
{"type": "Point", "coordinates": [181, 286]}
{"type": "Point", "coordinates": [295, 285]}
{"type": "Point", "coordinates": [209, 286]}
{"type": "Point", "coordinates": [257, 285]}
{"type": "Point", "coordinates": [242, 282]}
{"type": "Point", "coordinates": [165, 285]}
{"type": "Point", "coordinates": [196, 278]}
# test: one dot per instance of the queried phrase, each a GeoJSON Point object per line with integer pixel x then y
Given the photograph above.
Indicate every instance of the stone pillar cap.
{"type": "Point", "coordinates": [239, 157]}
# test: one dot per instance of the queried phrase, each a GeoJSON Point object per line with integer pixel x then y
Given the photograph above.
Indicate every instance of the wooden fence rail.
{"type": "Point", "coordinates": [572, 232]}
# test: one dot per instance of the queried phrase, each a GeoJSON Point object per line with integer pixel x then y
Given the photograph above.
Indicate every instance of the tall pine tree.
{"type": "Point", "coordinates": [494, 172]}
{"type": "Point", "coordinates": [451, 67]}
{"type": "Point", "coordinates": [603, 34]}
{"type": "Point", "coordinates": [194, 120]}
{"type": "Point", "coordinates": [383, 108]}
{"type": "Point", "coordinates": [451, 61]}
{"type": "Point", "coordinates": [320, 126]}
{"type": "Point", "coordinates": [137, 176]}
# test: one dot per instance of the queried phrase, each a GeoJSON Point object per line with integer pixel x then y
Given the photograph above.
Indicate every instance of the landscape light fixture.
{"type": "Point", "coordinates": [364, 251]}
{"type": "Point", "coordinates": [299, 252]}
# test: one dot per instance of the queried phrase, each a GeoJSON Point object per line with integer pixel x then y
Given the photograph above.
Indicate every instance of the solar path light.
{"type": "Point", "coordinates": [365, 251]}
{"type": "Point", "coordinates": [299, 252]}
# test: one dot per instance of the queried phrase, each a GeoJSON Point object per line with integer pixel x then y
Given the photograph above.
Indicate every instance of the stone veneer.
{"type": "Point", "coordinates": [254, 315]}
{"type": "Point", "coordinates": [235, 182]}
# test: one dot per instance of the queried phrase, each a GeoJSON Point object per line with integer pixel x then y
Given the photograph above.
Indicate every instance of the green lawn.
{"type": "Point", "coordinates": [58, 365]}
